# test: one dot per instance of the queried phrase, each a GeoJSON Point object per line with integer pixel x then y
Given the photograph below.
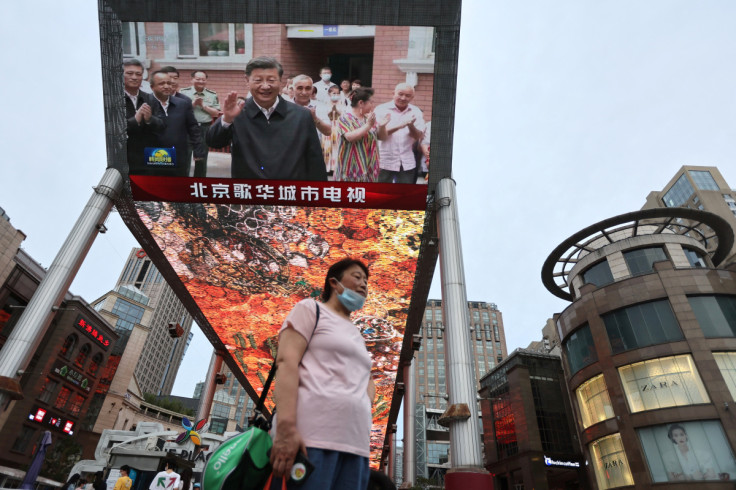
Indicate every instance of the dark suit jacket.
{"type": "Point", "coordinates": [142, 135]}
{"type": "Point", "coordinates": [180, 125]}
{"type": "Point", "coordinates": [285, 146]}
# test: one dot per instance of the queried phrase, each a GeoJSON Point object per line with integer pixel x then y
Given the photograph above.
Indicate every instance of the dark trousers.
{"type": "Point", "coordinates": [397, 176]}
{"type": "Point", "coordinates": [200, 167]}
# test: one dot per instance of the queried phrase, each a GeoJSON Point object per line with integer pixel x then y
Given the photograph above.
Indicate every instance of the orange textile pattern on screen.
{"type": "Point", "coordinates": [247, 266]}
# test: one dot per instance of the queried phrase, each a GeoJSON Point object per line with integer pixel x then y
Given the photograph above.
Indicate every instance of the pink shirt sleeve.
{"type": "Point", "coordinates": [302, 318]}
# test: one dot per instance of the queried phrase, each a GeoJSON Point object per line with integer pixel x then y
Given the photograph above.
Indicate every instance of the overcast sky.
{"type": "Point", "coordinates": [568, 113]}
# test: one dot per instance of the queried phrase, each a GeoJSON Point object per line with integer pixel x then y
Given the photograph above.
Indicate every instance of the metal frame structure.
{"type": "Point", "coordinates": [443, 16]}
{"type": "Point", "coordinates": [713, 232]}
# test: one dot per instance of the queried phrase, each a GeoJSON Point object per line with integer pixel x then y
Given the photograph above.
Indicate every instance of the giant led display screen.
{"type": "Point", "coordinates": [247, 173]}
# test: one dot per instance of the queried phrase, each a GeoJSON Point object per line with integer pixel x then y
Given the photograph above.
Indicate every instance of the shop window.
{"type": "Point", "coordinates": [716, 315]}
{"type": "Point", "coordinates": [727, 364]}
{"type": "Point", "coordinates": [610, 464]}
{"type": "Point", "coordinates": [641, 325]}
{"type": "Point", "coordinates": [664, 382]}
{"type": "Point", "coordinates": [63, 397]}
{"type": "Point", "coordinates": [48, 390]}
{"type": "Point", "coordinates": [580, 349]}
{"type": "Point", "coordinates": [594, 401]}
{"type": "Point", "coordinates": [688, 451]}
{"type": "Point", "coordinates": [24, 438]}
{"type": "Point", "coordinates": [76, 405]}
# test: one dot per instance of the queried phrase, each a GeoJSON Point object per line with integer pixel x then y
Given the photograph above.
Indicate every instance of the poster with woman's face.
{"type": "Point", "coordinates": [688, 451]}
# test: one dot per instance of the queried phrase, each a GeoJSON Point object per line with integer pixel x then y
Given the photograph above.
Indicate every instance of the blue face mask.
{"type": "Point", "coordinates": [350, 299]}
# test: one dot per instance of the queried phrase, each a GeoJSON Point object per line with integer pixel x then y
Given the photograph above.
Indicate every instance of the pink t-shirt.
{"type": "Point", "coordinates": [333, 408]}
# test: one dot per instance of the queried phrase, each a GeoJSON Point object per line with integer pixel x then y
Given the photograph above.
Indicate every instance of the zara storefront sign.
{"type": "Point", "coordinates": [556, 462]}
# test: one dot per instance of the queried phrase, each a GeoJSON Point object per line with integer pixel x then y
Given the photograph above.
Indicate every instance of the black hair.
{"type": "Point", "coordinates": [360, 93]}
{"type": "Point", "coordinates": [170, 69]}
{"type": "Point", "coordinates": [673, 428]}
{"type": "Point", "coordinates": [200, 71]}
{"type": "Point", "coordinates": [336, 87]}
{"type": "Point", "coordinates": [186, 478]}
{"type": "Point", "coordinates": [325, 68]}
{"type": "Point", "coordinates": [134, 62]}
{"type": "Point", "coordinates": [264, 63]}
{"type": "Point", "coordinates": [337, 270]}
{"type": "Point", "coordinates": [125, 468]}
{"type": "Point", "coordinates": [357, 80]}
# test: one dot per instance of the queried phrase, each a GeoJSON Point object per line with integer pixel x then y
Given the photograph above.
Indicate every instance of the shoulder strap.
{"type": "Point", "coordinates": [272, 371]}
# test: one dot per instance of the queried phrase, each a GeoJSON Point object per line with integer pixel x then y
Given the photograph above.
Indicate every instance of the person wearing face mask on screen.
{"type": "Point", "coordinates": [324, 390]}
{"type": "Point", "coordinates": [324, 84]}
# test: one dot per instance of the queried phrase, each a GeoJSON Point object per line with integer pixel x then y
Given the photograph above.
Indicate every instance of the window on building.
{"type": "Point", "coordinates": [48, 390]}
{"type": "Point", "coordinates": [495, 332]}
{"type": "Point", "coordinates": [594, 401]}
{"type": "Point", "coordinates": [716, 315]}
{"type": "Point", "coordinates": [727, 365]}
{"type": "Point", "coordinates": [609, 463]}
{"type": "Point", "coordinates": [211, 39]}
{"type": "Point", "coordinates": [220, 410]}
{"type": "Point", "coordinates": [641, 261]}
{"type": "Point", "coordinates": [217, 425]}
{"type": "Point", "coordinates": [641, 325]}
{"type": "Point", "coordinates": [63, 397]}
{"type": "Point", "coordinates": [504, 426]}
{"type": "Point", "coordinates": [476, 316]}
{"type": "Point", "coordinates": [94, 366]}
{"type": "Point", "coordinates": [76, 405]}
{"type": "Point", "coordinates": [438, 453]}
{"type": "Point", "coordinates": [485, 316]}
{"type": "Point", "coordinates": [598, 274]}
{"type": "Point", "coordinates": [665, 382]}
{"type": "Point", "coordinates": [679, 193]}
{"type": "Point", "coordinates": [703, 180]}
{"type": "Point", "coordinates": [24, 438]}
{"type": "Point", "coordinates": [487, 330]}
{"type": "Point", "coordinates": [68, 347]}
{"type": "Point", "coordinates": [694, 257]}
{"type": "Point", "coordinates": [428, 315]}
{"type": "Point", "coordinates": [439, 329]}
{"type": "Point", "coordinates": [130, 40]}
{"type": "Point", "coordinates": [580, 349]}
{"type": "Point", "coordinates": [82, 355]}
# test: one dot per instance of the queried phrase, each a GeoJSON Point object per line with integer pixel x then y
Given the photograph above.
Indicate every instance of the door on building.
{"type": "Point", "coordinates": [352, 67]}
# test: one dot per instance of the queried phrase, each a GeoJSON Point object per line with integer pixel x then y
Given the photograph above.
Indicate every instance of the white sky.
{"type": "Point", "coordinates": [568, 113]}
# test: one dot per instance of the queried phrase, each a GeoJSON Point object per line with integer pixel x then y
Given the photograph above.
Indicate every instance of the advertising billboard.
{"type": "Point", "coordinates": [249, 175]}
{"type": "Point", "coordinates": [688, 451]}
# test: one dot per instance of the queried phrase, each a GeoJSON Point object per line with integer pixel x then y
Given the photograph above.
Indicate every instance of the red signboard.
{"type": "Point", "coordinates": [93, 332]}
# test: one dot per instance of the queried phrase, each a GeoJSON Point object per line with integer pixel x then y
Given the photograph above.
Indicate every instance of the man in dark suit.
{"type": "Point", "coordinates": [144, 116]}
{"type": "Point", "coordinates": [180, 124]}
{"type": "Point", "coordinates": [271, 138]}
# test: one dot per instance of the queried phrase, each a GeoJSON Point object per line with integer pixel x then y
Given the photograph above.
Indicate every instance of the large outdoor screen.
{"type": "Point", "coordinates": [248, 175]}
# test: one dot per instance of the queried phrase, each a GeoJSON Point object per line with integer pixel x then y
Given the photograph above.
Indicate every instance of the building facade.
{"type": "Point", "coordinates": [528, 430]}
{"type": "Point", "coordinates": [489, 349]}
{"type": "Point", "coordinates": [231, 405]}
{"type": "Point", "coordinates": [65, 374]}
{"type": "Point", "coordinates": [701, 188]}
{"type": "Point", "coordinates": [161, 355]}
{"type": "Point", "coordinates": [649, 347]}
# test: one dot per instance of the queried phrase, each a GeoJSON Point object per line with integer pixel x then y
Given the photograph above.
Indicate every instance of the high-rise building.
{"type": "Point", "coordinates": [528, 430]}
{"type": "Point", "coordinates": [701, 188]}
{"type": "Point", "coordinates": [231, 405]}
{"type": "Point", "coordinates": [489, 348]}
{"type": "Point", "coordinates": [162, 354]}
{"type": "Point", "coordinates": [649, 344]}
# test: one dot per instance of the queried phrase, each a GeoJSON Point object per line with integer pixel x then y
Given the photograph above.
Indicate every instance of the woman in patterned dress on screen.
{"type": "Point", "coordinates": [358, 139]}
